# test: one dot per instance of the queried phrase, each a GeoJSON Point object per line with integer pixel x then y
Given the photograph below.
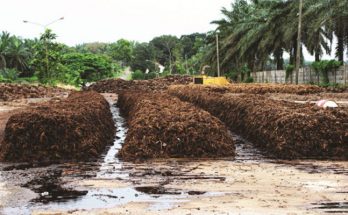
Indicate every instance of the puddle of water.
{"type": "Point", "coordinates": [332, 207]}
{"type": "Point", "coordinates": [311, 167]}
{"type": "Point", "coordinates": [49, 187]}
{"type": "Point", "coordinates": [158, 190]}
{"type": "Point", "coordinates": [246, 151]}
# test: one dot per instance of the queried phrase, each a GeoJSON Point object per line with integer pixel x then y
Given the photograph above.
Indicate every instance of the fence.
{"type": "Point", "coordinates": [306, 76]}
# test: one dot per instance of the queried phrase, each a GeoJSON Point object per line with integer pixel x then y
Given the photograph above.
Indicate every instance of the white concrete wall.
{"type": "Point", "coordinates": [306, 76]}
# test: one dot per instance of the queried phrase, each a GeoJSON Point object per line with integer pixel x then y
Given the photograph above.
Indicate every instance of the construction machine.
{"type": "Point", "coordinates": [208, 80]}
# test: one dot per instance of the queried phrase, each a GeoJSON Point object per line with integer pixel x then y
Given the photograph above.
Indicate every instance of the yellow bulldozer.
{"type": "Point", "coordinates": [208, 80]}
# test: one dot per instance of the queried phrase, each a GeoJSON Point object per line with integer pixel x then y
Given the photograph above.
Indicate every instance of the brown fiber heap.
{"type": "Point", "coordinates": [162, 126]}
{"type": "Point", "coordinates": [287, 130]}
{"type": "Point", "coordinates": [10, 92]}
{"type": "Point", "coordinates": [157, 84]}
{"type": "Point", "coordinates": [274, 88]}
{"type": "Point", "coordinates": [77, 128]}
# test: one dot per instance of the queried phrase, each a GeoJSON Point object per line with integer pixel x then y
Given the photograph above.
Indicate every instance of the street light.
{"type": "Point", "coordinates": [45, 27]}
{"type": "Point", "coordinates": [217, 51]}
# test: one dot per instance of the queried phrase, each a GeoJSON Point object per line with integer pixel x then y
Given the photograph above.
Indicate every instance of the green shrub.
{"type": "Point", "coordinates": [4, 80]}
{"type": "Point", "coordinates": [232, 75]}
{"type": "Point", "coordinates": [138, 75]}
{"type": "Point", "coordinates": [26, 80]}
{"type": "Point", "coordinates": [249, 80]}
{"type": "Point", "coordinates": [165, 73]}
{"type": "Point", "coordinates": [150, 75]}
{"type": "Point", "coordinates": [288, 71]}
{"type": "Point", "coordinates": [324, 67]}
{"type": "Point", "coordinates": [244, 72]}
{"type": "Point", "coordinates": [87, 67]}
{"type": "Point", "coordinates": [9, 74]}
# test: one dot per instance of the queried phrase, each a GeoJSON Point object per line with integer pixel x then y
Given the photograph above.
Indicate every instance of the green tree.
{"type": "Point", "coordinates": [167, 50]}
{"type": "Point", "coordinates": [95, 48]}
{"type": "Point", "coordinates": [254, 31]}
{"type": "Point", "coordinates": [191, 44]}
{"type": "Point", "coordinates": [18, 54]}
{"type": "Point", "coordinates": [14, 53]}
{"type": "Point", "coordinates": [47, 58]}
{"type": "Point", "coordinates": [86, 67]}
{"type": "Point", "coordinates": [121, 51]}
{"type": "Point", "coordinates": [4, 44]}
{"type": "Point", "coordinates": [144, 57]}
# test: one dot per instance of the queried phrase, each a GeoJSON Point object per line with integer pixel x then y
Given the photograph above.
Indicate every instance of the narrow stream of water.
{"type": "Point", "coordinates": [111, 167]}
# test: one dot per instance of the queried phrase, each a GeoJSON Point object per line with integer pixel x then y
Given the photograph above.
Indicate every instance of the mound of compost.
{"type": "Point", "coordinates": [76, 128]}
{"type": "Point", "coordinates": [10, 92]}
{"type": "Point", "coordinates": [274, 88]}
{"type": "Point", "coordinates": [162, 126]}
{"type": "Point", "coordinates": [286, 130]}
{"type": "Point", "coordinates": [157, 84]}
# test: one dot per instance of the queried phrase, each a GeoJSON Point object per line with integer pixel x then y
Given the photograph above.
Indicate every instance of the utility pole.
{"type": "Point", "coordinates": [217, 52]}
{"type": "Point", "coordinates": [298, 54]}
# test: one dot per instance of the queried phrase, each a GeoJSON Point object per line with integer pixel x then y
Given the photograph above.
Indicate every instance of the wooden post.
{"type": "Point", "coordinates": [275, 76]}
{"type": "Point", "coordinates": [345, 74]}
{"type": "Point", "coordinates": [263, 76]}
{"type": "Point", "coordinates": [318, 78]}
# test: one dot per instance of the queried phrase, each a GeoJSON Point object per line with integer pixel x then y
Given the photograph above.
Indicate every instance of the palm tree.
{"type": "Point", "coordinates": [332, 17]}
{"type": "Point", "coordinates": [18, 54]}
{"type": "Point", "coordinates": [4, 43]}
{"type": "Point", "coordinates": [252, 31]}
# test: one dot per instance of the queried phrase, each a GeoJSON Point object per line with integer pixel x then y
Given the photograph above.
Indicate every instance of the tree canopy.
{"type": "Point", "coordinates": [254, 32]}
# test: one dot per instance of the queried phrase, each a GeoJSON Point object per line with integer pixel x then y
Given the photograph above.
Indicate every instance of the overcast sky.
{"type": "Point", "coordinates": [110, 20]}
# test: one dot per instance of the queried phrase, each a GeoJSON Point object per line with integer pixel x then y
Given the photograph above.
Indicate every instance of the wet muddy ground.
{"type": "Point", "coordinates": [251, 183]}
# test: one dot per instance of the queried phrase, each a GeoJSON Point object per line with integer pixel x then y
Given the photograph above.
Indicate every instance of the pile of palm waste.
{"type": "Point", "coordinates": [76, 128]}
{"type": "Point", "coordinates": [162, 126]}
{"type": "Point", "coordinates": [274, 88]}
{"type": "Point", "coordinates": [286, 130]}
{"type": "Point", "coordinates": [10, 92]}
{"type": "Point", "coordinates": [157, 84]}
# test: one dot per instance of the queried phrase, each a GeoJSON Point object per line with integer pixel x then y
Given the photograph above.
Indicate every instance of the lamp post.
{"type": "Point", "coordinates": [217, 52]}
{"type": "Point", "coordinates": [44, 26]}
